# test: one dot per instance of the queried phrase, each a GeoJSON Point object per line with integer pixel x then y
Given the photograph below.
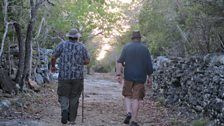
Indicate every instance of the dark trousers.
{"type": "Point", "coordinates": [69, 92]}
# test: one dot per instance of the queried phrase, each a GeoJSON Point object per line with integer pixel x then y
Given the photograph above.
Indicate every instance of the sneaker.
{"type": "Point", "coordinates": [64, 118]}
{"type": "Point", "coordinates": [127, 119]}
{"type": "Point", "coordinates": [134, 123]}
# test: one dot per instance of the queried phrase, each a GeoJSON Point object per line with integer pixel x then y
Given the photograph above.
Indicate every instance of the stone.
{"type": "Point", "coordinates": [33, 85]}
{"type": "Point", "coordinates": [4, 104]}
{"type": "Point", "coordinates": [160, 60]}
{"type": "Point", "coordinates": [211, 123]}
{"type": "Point", "coordinates": [39, 79]}
{"type": "Point", "coordinates": [196, 81]}
{"type": "Point", "coordinates": [53, 76]}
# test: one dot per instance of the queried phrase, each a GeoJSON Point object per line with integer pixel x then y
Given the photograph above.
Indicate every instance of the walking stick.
{"type": "Point", "coordinates": [83, 105]}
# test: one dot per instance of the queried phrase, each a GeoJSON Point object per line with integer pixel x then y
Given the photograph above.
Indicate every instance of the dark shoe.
{"type": "Point", "coordinates": [134, 123]}
{"type": "Point", "coordinates": [64, 118]}
{"type": "Point", "coordinates": [68, 117]}
{"type": "Point", "coordinates": [127, 119]}
{"type": "Point", "coordinates": [72, 123]}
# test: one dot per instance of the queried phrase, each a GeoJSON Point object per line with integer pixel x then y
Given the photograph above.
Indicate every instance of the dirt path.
{"type": "Point", "coordinates": [103, 107]}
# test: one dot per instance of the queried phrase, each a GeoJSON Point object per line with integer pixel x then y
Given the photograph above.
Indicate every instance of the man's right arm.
{"type": "Point", "coordinates": [119, 66]}
{"type": "Point", "coordinates": [119, 69]}
{"type": "Point", "coordinates": [56, 53]}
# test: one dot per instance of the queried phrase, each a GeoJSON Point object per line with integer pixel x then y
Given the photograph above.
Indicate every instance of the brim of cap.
{"type": "Point", "coordinates": [135, 37]}
{"type": "Point", "coordinates": [77, 35]}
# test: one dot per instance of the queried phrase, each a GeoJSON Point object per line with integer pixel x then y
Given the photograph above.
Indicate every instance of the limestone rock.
{"type": "Point", "coordinates": [33, 85]}
{"type": "Point", "coordinates": [196, 82]}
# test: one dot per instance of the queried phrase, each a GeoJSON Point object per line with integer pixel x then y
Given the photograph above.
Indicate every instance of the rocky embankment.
{"type": "Point", "coordinates": [196, 83]}
{"type": "Point", "coordinates": [40, 73]}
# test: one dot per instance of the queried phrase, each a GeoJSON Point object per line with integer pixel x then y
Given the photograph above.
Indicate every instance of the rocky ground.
{"type": "Point", "coordinates": [103, 106]}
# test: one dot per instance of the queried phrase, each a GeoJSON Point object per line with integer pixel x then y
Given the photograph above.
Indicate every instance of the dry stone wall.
{"type": "Point", "coordinates": [196, 83]}
{"type": "Point", "coordinates": [40, 73]}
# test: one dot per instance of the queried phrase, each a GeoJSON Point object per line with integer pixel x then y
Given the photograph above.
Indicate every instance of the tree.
{"type": "Point", "coordinates": [25, 48]}
{"type": "Point", "coordinates": [185, 27]}
{"type": "Point", "coordinates": [92, 18]}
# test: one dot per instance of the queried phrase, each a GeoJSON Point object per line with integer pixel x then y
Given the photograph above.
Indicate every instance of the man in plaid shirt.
{"type": "Point", "coordinates": [72, 55]}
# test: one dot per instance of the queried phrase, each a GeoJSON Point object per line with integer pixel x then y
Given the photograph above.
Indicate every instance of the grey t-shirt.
{"type": "Point", "coordinates": [137, 62]}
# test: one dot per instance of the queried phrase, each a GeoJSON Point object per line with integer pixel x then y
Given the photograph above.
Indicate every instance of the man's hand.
{"type": "Point", "coordinates": [149, 82]}
{"type": "Point", "coordinates": [53, 69]}
{"type": "Point", "coordinates": [119, 79]}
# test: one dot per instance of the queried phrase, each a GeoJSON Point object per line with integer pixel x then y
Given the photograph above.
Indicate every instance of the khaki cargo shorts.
{"type": "Point", "coordinates": [133, 90]}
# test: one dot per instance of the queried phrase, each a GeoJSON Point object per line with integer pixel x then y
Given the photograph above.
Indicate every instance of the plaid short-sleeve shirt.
{"type": "Point", "coordinates": [71, 59]}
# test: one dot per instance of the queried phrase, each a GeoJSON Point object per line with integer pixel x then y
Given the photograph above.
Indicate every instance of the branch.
{"type": "Point", "coordinates": [32, 3]}
{"type": "Point", "coordinates": [49, 2]}
{"type": "Point", "coordinates": [5, 11]}
{"type": "Point", "coordinates": [182, 33]}
{"type": "Point", "coordinates": [93, 35]}
{"type": "Point", "coordinates": [221, 41]}
{"type": "Point", "coordinates": [178, 3]}
{"type": "Point", "coordinates": [3, 39]}
{"type": "Point", "coordinates": [40, 28]}
{"type": "Point", "coordinates": [57, 37]}
{"type": "Point", "coordinates": [41, 2]}
{"type": "Point", "coordinates": [33, 9]}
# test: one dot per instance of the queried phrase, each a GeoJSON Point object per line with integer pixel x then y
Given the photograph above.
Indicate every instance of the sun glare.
{"type": "Point", "coordinates": [121, 26]}
{"type": "Point", "coordinates": [103, 51]}
{"type": "Point", "coordinates": [126, 1]}
{"type": "Point", "coordinates": [121, 1]}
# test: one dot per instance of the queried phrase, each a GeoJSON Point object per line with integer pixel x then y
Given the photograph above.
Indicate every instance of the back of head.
{"type": "Point", "coordinates": [73, 34]}
{"type": "Point", "coordinates": [136, 35]}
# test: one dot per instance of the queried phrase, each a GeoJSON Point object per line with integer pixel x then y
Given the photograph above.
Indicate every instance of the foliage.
{"type": "Point", "coordinates": [182, 27]}
{"type": "Point", "coordinates": [91, 18]}
{"type": "Point", "coordinates": [126, 37]}
{"type": "Point", "coordinates": [200, 122]}
{"type": "Point", "coordinates": [161, 101]}
{"type": "Point", "coordinates": [83, 15]}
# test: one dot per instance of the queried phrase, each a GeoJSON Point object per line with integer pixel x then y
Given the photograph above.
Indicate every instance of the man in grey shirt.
{"type": "Point", "coordinates": [136, 60]}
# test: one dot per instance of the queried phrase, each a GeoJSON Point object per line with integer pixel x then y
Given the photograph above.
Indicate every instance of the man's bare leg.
{"type": "Point", "coordinates": [128, 105]}
{"type": "Point", "coordinates": [135, 108]}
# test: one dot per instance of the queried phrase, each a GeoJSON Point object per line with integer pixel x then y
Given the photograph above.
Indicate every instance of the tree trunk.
{"type": "Point", "coordinates": [28, 45]}
{"type": "Point", "coordinates": [21, 44]}
{"type": "Point", "coordinates": [28, 50]}
{"type": "Point", "coordinates": [5, 12]}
